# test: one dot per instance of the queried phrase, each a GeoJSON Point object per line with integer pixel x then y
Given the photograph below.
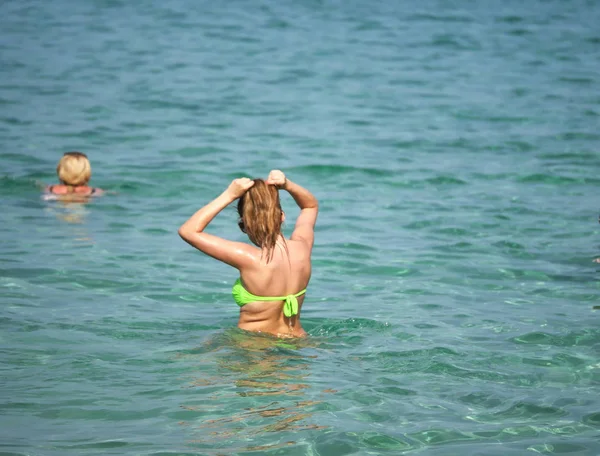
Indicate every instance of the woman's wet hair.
{"type": "Point", "coordinates": [261, 215]}
{"type": "Point", "coordinates": [74, 169]}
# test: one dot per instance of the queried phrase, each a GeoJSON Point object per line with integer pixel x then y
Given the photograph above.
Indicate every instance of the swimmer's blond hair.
{"type": "Point", "coordinates": [74, 169]}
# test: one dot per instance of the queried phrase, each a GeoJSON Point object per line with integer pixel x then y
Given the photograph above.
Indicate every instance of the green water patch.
{"type": "Point", "coordinates": [342, 330]}
{"type": "Point", "coordinates": [520, 32]}
{"type": "Point", "coordinates": [443, 18]}
{"type": "Point", "coordinates": [420, 224]}
{"type": "Point", "coordinates": [24, 158]}
{"type": "Point", "coordinates": [523, 412]}
{"type": "Point", "coordinates": [31, 273]}
{"type": "Point", "coordinates": [353, 247]}
{"type": "Point", "coordinates": [21, 186]}
{"type": "Point", "coordinates": [560, 447]}
{"type": "Point", "coordinates": [336, 443]}
{"type": "Point", "coordinates": [378, 441]}
{"type": "Point", "coordinates": [157, 231]}
{"type": "Point", "coordinates": [584, 338]}
{"type": "Point", "coordinates": [445, 181]}
{"type": "Point", "coordinates": [332, 171]}
{"type": "Point", "coordinates": [93, 444]}
{"type": "Point", "coordinates": [139, 330]}
{"type": "Point", "coordinates": [195, 152]}
{"type": "Point", "coordinates": [501, 177]}
{"type": "Point", "coordinates": [399, 145]}
{"type": "Point", "coordinates": [510, 19]}
{"type": "Point", "coordinates": [592, 419]}
{"type": "Point", "coordinates": [454, 232]}
{"type": "Point", "coordinates": [444, 369]}
{"type": "Point", "coordinates": [437, 437]}
{"type": "Point", "coordinates": [153, 325]}
{"type": "Point", "coordinates": [461, 247]}
{"type": "Point", "coordinates": [588, 157]}
{"type": "Point", "coordinates": [409, 361]}
{"type": "Point", "coordinates": [577, 81]}
{"type": "Point", "coordinates": [482, 400]}
{"type": "Point", "coordinates": [576, 135]}
{"type": "Point", "coordinates": [554, 179]}
{"type": "Point", "coordinates": [558, 360]}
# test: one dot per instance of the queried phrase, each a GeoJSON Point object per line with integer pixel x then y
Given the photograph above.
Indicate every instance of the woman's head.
{"type": "Point", "coordinates": [74, 169]}
{"type": "Point", "coordinates": [261, 215]}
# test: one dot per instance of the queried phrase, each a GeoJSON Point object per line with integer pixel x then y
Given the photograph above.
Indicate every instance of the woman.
{"type": "Point", "coordinates": [274, 274]}
{"type": "Point", "coordinates": [74, 173]}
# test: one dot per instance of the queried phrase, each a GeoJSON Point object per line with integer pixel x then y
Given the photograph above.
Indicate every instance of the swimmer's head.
{"type": "Point", "coordinates": [261, 215]}
{"type": "Point", "coordinates": [74, 169]}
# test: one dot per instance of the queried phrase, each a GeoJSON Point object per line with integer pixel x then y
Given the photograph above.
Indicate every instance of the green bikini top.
{"type": "Point", "coordinates": [242, 296]}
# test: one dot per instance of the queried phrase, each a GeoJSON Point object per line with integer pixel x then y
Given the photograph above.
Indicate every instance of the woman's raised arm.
{"type": "Point", "coordinates": [306, 201]}
{"type": "Point", "coordinates": [236, 254]}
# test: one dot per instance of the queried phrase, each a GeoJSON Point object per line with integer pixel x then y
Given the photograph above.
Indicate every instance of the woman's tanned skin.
{"type": "Point", "coordinates": [274, 266]}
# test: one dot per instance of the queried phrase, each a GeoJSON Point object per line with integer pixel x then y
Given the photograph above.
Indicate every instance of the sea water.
{"type": "Point", "coordinates": [454, 149]}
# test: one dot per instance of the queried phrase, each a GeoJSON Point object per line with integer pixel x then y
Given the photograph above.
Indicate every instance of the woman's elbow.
{"type": "Point", "coordinates": [183, 232]}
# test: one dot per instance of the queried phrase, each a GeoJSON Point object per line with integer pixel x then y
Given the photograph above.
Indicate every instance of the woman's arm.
{"type": "Point", "coordinates": [236, 254]}
{"type": "Point", "coordinates": [306, 201]}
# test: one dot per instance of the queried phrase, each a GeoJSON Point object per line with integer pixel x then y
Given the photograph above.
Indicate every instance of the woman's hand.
{"type": "Point", "coordinates": [239, 186]}
{"type": "Point", "coordinates": [277, 178]}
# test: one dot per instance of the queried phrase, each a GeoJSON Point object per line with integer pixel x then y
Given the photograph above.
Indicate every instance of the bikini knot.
{"type": "Point", "coordinates": [290, 306]}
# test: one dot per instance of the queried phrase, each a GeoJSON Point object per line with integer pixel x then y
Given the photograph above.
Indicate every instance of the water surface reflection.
{"type": "Point", "coordinates": [251, 386]}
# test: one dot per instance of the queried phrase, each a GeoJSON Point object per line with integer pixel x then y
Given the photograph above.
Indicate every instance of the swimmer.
{"type": "Point", "coordinates": [274, 273]}
{"type": "Point", "coordinates": [74, 173]}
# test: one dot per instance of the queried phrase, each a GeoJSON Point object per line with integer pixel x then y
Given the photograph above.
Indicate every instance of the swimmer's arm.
{"type": "Point", "coordinates": [236, 254]}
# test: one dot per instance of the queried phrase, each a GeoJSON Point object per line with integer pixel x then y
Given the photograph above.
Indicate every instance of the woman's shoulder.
{"type": "Point", "coordinates": [84, 190]}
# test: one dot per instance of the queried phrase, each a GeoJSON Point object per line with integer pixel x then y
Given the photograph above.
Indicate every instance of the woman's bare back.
{"type": "Point", "coordinates": [287, 273]}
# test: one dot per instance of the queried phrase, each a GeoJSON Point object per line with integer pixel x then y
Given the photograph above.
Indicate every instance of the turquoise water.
{"type": "Point", "coordinates": [454, 147]}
